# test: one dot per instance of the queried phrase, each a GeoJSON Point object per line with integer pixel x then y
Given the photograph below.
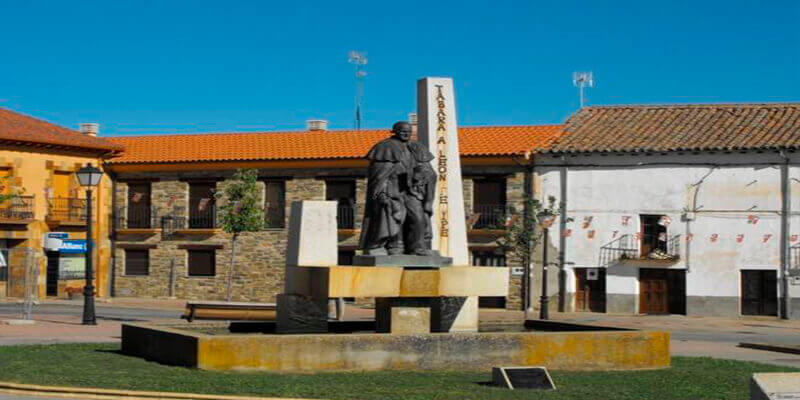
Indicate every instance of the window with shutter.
{"type": "Point", "coordinates": [202, 262]}
{"type": "Point", "coordinates": [137, 262]}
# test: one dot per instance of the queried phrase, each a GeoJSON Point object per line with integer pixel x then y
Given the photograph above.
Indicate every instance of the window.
{"type": "Point", "coordinates": [344, 193]}
{"type": "Point", "coordinates": [489, 258]}
{"type": "Point", "coordinates": [275, 204]}
{"type": "Point", "coordinates": [489, 203]}
{"type": "Point", "coordinates": [137, 261]}
{"type": "Point", "coordinates": [138, 212]}
{"type": "Point", "coordinates": [653, 234]}
{"type": "Point", "coordinates": [202, 262]}
{"type": "Point", "coordinates": [202, 211]}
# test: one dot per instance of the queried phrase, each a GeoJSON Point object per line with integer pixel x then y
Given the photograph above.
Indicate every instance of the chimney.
{"type": "Point", "coordinates": [317, 125]}
{"type": "Point", "coordinates": [90, 128]}
{"type": "Point", "coordinates": [412, 119]}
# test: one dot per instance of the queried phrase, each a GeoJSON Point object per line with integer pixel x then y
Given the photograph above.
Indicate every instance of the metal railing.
{"type": "Point", "coordinates": [346, 216]}
{"type": "Point", "coordinates": [490, 216]}
{"type": "Point", "coordinates": [205, 219]}
{"type": "Point", "coordinates": [623, 247]}
{"type": "Point", "coordinates": [275, 217]}
{"type": "Point", "coordinates": [627, 247]}
{"type": "Point", "coordinates": [67, 209]}
{"type": "Point", "coordinates": [137, 217]}
{"type": "Point", "coordinates": [18, 208]}
{"type": "Point", "coordinates": [794, 257]}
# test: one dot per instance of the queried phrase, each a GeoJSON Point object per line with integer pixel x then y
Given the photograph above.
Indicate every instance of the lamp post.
{"type": "Point", "coordinates": [89, 177]}
{"type": "Point", "coordinates": [545, 219]}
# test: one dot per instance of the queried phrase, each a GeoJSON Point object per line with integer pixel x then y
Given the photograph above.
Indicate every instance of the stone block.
{"type": "Point", "coordinates": [313, 240]}
{"type": "Point", "coordinates": [443, 310]}
{"type": "Point", "coordinates": [411, 320]}
{"type": "Point", "coordinates": [301, 314]}
{"type": "Point", "coordinates": [775, 385]}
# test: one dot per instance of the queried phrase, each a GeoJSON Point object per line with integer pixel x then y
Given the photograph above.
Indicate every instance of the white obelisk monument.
{"type": "Point", "coordinates": [436, 113]}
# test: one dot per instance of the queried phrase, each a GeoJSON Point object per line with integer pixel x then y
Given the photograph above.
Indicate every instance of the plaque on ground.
{"type": "Point", "coordinates": [522, 378]}
{"type": "Point", "coordinates": [775, 386]}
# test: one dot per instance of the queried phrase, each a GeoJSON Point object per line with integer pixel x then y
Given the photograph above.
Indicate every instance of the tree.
{"type": "Point", "coordinates": [522, 234]}
{"type": "Point", "coordinates": [240, 211]}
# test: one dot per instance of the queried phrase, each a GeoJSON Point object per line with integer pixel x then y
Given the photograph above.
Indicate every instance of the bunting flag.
{"type": "Point", "coordinates": [664, 220]}
{"type": "Point", "coordinates": [714, 237]}
{"type": "Point", "coordinates": [567, 233]}
{"type": "Point", "coordinates": [766, 238]}
{"type": "Point", "coordinates": [689, 237]}
{"type": "Point", "coordinates": [793, 238]}
{"type": "Point", "coordinates": [587, 221]}
{"type": "Point", "coordinates": [136, 197]}
{"type": "Point", "coordinates": [625, 220]}
{"type": "Point", "coordinates": [614, 234]}
{"type": "Point", "coordinates": [171, 200]}
{"type": "Point", "coordinates": [752, 219]}
{"type": "Point", "coordinates": [590, 234]}
{"type": "Point", "coordinates": [739, 238]}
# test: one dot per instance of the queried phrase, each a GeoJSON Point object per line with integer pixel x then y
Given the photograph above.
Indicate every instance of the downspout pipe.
{"type": "Point", "coordinates": [786, 209]}
{"type": "Point", "coordinates": [562, 238]}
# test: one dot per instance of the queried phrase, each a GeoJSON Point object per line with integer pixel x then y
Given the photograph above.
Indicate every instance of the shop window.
{"type": "Point", "coordinates": [202, 262]}
{"type": "Point", "coordinates": [137, 262]}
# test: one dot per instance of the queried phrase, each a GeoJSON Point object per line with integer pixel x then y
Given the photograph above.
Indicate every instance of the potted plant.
{"type": "Point", "coordinates": [74, 292]}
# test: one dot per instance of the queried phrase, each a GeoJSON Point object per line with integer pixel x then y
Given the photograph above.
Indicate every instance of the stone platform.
{"type": "Point", "coordinates": [403, 260]}
{"type": "Point", "coordinates": [478, 351]}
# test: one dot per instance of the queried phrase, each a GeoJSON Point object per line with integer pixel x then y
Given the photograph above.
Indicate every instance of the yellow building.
{"type": "Point", "coordinates": [43, 226]}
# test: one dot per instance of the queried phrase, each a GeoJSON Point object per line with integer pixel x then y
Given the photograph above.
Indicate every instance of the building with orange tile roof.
{"type": "Point", "coordinates": [38, 161]}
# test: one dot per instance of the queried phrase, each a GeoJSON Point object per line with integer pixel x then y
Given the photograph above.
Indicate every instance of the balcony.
{"type": "Point", "coordinates": [137, 217]}
{"type": "Point", "coordinates": [17, 210]}
{"type": "Point", "coordinates": [346, 216]}
{"type": "Point", "coordinates": [489, 216]}
{"type": "Point", "coordinates": [203, 222]}
{"type": "Point", "coordinates": [66, 211]}
{"type": "Point", "coordinates": [628, 248]}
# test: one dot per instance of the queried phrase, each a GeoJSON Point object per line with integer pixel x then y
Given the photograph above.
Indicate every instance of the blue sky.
{"type": "Point", "coordinates": [143, 67]}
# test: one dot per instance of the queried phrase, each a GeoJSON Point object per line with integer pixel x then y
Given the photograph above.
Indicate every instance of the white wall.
{"type": "Point", "coordinates": [607, 188]}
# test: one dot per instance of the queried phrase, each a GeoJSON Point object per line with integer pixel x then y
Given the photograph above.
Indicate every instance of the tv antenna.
{"type": "Point", "coordinates": [359, 59]}
{"type": "Point", "coordinates": [582, 80]}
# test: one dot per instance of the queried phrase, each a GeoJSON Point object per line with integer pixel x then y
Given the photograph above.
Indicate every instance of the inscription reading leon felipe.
{"type": "Point", "coordinates": [441, 145]}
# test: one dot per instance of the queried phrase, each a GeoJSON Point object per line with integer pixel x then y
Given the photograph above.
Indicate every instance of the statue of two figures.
{"type": "Point", "coordinates": [400, 189]}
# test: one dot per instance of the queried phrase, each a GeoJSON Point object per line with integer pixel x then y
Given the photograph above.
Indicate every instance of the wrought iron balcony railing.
{"type": "Point", "coordinates": [627, 247]}
{"type": "Point", "coordinates": [18, 208]}
{"type": "Point", "coordinates": [137, 217]}
{"type": "Point", "coordinates": [346, 216]}
{"type": "Point", "coordinates": [197, 219]}
{"type": "Point", "coordinates": [490, 216]}
{"type": "Point", "coordinates": [66, 209]}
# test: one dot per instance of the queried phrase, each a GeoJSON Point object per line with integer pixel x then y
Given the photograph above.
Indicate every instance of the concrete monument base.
{"type": "Point", "coordinates": [479, 351]}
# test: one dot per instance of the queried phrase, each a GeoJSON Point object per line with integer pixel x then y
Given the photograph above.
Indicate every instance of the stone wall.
{"type": "Point", "coordinates": [260, 255]}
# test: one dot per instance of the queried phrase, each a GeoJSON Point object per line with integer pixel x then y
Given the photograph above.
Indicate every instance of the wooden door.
{"type": "Point", "coordinates": [759, 292]}
{"type": "Point", "coordinates": [653, 291]}
{"type": "Point", "coordinates": [52, 273]}
{"type": "Point", "coordinates": [590, 295]}
{"type": "Point", "coordinates": [489, 202]}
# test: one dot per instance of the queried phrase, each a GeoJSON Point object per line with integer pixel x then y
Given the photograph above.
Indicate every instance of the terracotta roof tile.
{"type": "Point", "coordinates": [681, 127]}
{"type": "Point", "coordinates": [25, 130]}
{"type": "Point", "coordinates": [305, 145]}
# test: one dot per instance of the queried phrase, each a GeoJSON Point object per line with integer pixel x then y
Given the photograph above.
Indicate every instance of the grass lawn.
{"type": "Point", "coordinates": [100, 365]}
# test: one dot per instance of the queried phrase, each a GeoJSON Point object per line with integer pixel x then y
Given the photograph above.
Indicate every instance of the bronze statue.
{"type": "Point", "coordinates": [400, 190]}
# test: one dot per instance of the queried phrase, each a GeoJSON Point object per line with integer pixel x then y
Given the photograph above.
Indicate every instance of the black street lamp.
{"type": "Point", "coordinates": [545, 219]}
{"type": "Point", "coordinates": [89, 177]}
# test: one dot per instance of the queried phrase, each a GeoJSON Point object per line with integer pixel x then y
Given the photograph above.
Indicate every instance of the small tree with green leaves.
{"type": "Point", "coordinates": [523, 232]}
{"type": "Point", "coordinates": [240, 211]}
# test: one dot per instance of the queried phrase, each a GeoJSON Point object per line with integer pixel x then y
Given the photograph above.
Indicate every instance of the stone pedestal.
{"type": "Point", "coordinates": [403, 260]}
{"type": "Point", "coordinates": [313, 237]}
{"type": "Point", "coordinates": [410, 320]}
{"type": "Point", "coordinates": [444, 311]}
{"type": "Point", "coordinates": [301, 314]}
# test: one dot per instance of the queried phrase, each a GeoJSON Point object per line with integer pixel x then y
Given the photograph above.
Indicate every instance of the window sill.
{"type": "Point", "coordinates": [198, 231]}
{"type": "Point", "coordinates": [138, 231]}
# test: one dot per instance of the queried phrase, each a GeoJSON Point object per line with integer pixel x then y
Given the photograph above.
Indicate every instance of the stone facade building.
{"type": "Point", "coordinates": [167, 243]}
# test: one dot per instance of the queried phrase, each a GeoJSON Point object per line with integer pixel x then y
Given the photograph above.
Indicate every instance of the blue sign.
{"type": "Point", "coordinates": [72, 246]}
{"type": "Point", "coordinates": [58, 235]}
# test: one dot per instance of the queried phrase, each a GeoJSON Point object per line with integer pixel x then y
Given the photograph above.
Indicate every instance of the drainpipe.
{"type": "Point", "coordinates": [786, 208]}
{"type": "Point", "coordinates": [113, 236]}
{"type": "Point", "coordinates": [562, 239]}
{"type": "Point", "coordinates": [527, 282]}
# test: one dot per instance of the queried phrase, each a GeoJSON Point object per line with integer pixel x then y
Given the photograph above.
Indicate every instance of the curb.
{"type": "Point", "coordinates": [113, 394]}
{"type": "Point", "coordinates": [771, 347]}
